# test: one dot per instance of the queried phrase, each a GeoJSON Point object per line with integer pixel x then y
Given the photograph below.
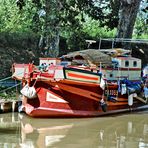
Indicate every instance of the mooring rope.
{"type": "Point", "coordinates": [10, 77]}
{"type": "Point", "coordinates": [10, 87]}
{"type": "Point", "coordinates": [6, 78]}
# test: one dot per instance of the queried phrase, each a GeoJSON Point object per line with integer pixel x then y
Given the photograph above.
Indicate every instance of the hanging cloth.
{"type": "Point", "coordinates": [123, 89]}
{"type": "Point", "coordinates": [29, 92]}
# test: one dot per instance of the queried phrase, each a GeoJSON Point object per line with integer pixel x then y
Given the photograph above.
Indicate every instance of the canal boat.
{"type": "Point", "coordinates": [88, 83]}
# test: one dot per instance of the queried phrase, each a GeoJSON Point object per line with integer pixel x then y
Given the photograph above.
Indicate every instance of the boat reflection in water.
{"type": "Point", "coordinates": [122, 131]}
{"type": "Point", "coordinates": [111, 132]}
{"type": "Point", "coordinates": [43, 132]}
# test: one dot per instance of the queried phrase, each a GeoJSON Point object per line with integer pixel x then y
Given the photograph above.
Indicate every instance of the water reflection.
{"type": "Point", "coordinates": [9, 131]}
{"type": "Point", "coordinates": [125, 131]}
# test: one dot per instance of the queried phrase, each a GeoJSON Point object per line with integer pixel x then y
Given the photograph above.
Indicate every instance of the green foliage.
{"type": "Point", "coordinates": [20, 40]}
{"type": "Point", "coordinates": [93, 29]}
{"type": "Point", "coordinates": [9, 94]}
{"type": "Point", "coordinates": [141, 29]}
{"type": "Point", "coordinates": [105, 11]}
{"type": "Point", "coordinates": [14, 20]}
{"type": "Point", "coordinates": [76, 41]}
{"type": "Point", "coordinates": [141, 25]}
{"type": "Point", "coordinates": [77, 20]}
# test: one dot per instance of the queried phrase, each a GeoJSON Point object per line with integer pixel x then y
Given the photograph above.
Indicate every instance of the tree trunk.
{"type": "Point", "coordinates": [51, 29]}
{"type": "Point", "coordinates": [127, 18]}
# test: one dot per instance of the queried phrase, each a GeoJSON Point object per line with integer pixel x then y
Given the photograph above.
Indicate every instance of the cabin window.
{"type": "Point", "coordinates": [126, 63]}
{"type": "Point", "coordinates": [111, 75]}
{"type": "Point", "coordinates": [135, 64]}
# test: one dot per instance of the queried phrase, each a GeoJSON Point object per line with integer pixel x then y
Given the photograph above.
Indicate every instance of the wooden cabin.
{"type": "Point", "coordinates": [123, 67]}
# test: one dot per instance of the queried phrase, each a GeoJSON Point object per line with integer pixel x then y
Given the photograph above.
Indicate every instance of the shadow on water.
{"type": "Point", "coordinates": [122, 131]}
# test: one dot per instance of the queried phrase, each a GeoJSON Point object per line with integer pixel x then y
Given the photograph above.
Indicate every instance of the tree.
{"type": "Point", "coordinates": [127, 18]}
{"type": "Point", "coordinates": [141, 26]}
{"type": "Point", "coordinates": [51, 27]}
{"type": "Point", "coordinates": [70, 14]}
{"type": "Point", "coordinates": [60, 13]}
{"type": "Point", "coordinates": [120, 14]}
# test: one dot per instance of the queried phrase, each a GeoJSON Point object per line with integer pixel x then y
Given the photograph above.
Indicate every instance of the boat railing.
{"type": "Point", "coordinates": [116, 40]}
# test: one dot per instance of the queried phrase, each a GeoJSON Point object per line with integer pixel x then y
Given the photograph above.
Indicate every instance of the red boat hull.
{"type": "Point", "coordinates": [68, 98]}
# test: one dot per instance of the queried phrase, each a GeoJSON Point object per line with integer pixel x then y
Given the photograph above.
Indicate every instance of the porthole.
{"type": "Point", "coordinates": [126, 63]}
{"type": "Point", "coordinates": [135, 64]}
{"type": "Point", "coordinates": [111, 75]}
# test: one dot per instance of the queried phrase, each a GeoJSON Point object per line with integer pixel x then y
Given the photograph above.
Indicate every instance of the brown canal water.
{"type": "Point", "coordinates": [121, 131]}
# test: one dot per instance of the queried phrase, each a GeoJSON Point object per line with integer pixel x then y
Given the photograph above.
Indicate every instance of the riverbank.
{"type": "Point", "coordinates": [9, 106]}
